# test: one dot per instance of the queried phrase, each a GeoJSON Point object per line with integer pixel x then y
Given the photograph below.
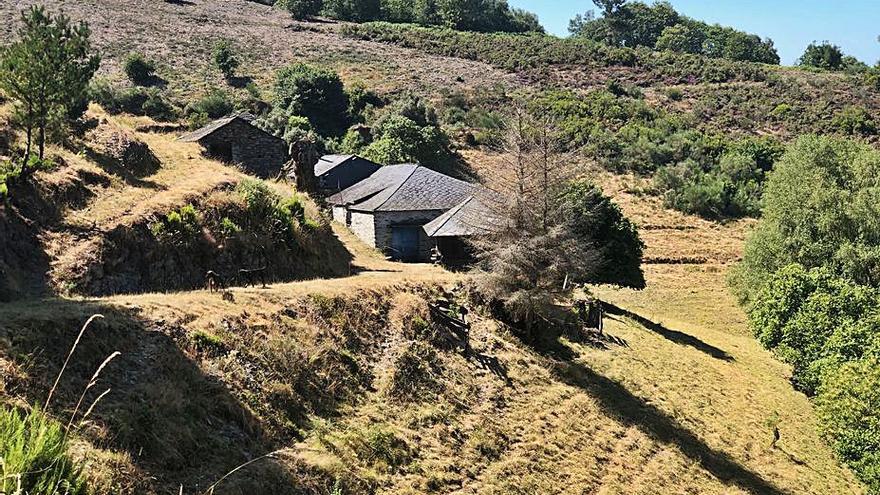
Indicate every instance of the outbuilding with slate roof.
{"type": "Point", "coordinates": [236, 140]}
{"type": "Point", "coordinates": [389, 209]}
{"type": "Point", "coordinates": [477, 216]}
{"type": "Point", "coordinates": [336, 173]}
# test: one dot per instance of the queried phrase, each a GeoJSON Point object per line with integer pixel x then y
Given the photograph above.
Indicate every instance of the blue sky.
{"type": "Point", "coordinates": [792, 24]}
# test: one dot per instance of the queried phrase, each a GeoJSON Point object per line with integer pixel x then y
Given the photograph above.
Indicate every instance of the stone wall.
{"type": "Point", "coordinates": [340, 215]}
{"type": "Point", "coordinates": [375, 228]}
{"type": "Point", "coordinates": [385, 220]}
{"type": "Point", "coordinates": [363, 226]}
{"type": "Point", "coordinates": [258, 152]}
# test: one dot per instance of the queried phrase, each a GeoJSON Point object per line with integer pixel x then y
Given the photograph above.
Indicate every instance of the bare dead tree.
{"type": "Point", "coordinates": [524, 264]}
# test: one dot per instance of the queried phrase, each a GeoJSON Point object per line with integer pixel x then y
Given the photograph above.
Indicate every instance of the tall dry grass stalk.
{"type": "Point", "coordinates": [92, 383]}
{"type": "Point", "coordinates": [67, 361]}
{"type": "Point", "coordinates": [92, 407]}
{"type": "Point", "coordinates": [270, 455]}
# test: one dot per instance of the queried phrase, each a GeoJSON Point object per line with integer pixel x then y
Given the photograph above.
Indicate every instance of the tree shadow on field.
{"type": "Point", "coordinates": [634, 411]}
{"type": "Point", "coordinates": [178, 424]}
{"type": "Point", "coordinates": [239, 81]}
{"type": "Point", "coordinates": [669, 334]}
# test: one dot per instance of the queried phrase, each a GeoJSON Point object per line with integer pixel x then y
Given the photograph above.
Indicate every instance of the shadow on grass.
{"type": "Point", "coordinates": [634, 411]}
{"type": "Point", "coordinates": [112, 166]}
{"type": "Point", "coordinates": [669, 334]}
{"type": "Point", "coordinates": [239, 82]}
{"type": "Point", "coordinates": [179, 424]}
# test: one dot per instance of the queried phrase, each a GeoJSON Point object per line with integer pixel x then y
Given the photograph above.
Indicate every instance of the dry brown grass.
{"type": "Point", "coordinates": [179, 36]}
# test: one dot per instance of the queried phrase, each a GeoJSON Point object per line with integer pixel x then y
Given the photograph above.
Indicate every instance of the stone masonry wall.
{"type": "Point", "coordinates": [363, 226]}
{"type": "Point", "coordinates": [385, 220]}
{"type": "Point", "coordinates": [258, 152]}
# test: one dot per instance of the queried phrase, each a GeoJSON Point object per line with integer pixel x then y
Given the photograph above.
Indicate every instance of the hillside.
{"type": "Point", "coordinates": [336, 372]}
{"type": "Point", "coordinates": [205, 384]}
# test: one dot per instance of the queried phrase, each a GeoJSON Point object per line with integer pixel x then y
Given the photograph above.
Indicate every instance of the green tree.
{"type": "Point", "coordinates": [315, 93]}
{"type": "Point", "coordinates": [598, 222]}
{"type": "Point", "coordinates": [301, 9]}
{"type": "Point", "coordinates": [47, 72]}
{"type": "Point", "coordinates": [819, 210]}
{"type": "Point", "coordinates": [822, 55]}
{"type": "Point", "coordinates": [353, 10]}
{"type": "Point", "coordinates": [225, 59]}
{"type": "Point", "coordinates": [680, 38]}
{"type": "Point", "coordinates": [848, 407]}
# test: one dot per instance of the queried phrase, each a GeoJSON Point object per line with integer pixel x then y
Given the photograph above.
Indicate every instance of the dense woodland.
{"type": "Point", "coordinates": [731, 135]}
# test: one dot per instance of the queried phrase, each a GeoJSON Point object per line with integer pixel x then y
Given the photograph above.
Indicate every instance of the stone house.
{"type": "Point", "coordinates": [389, 209]}
{"type": "Point", "coordinates": [335, 173]}
{"type": "Point", "coordinates": [237, 140]}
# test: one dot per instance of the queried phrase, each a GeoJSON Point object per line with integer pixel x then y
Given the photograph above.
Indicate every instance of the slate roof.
{"type": "Point", "coordinates": [404, 188]}
{"type": "Point", "coordinates": [477, 215]}
{"type": "Point", "coordinates": [329, 162]}
{"type": "Point", "coordinates": [216, 125]}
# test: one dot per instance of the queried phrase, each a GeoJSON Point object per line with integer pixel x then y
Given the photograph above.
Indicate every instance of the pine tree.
{"type": "Point", "coordinates": [47, 72]}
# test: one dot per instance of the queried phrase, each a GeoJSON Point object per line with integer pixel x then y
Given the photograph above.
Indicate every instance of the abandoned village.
{"type": "Point", "coordinates": [409, 212]}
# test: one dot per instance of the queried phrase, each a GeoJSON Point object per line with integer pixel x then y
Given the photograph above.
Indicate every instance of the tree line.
{"type": "Point", "coordinates": [661, 27]}
{"type": "Point", "coordinates": [810, 281]}
{"type": "Point", "coordinates": [466, 15]}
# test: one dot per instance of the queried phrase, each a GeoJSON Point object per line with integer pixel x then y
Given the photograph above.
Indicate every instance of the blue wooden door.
{"type": "Point", "coordinates": [405, 242]}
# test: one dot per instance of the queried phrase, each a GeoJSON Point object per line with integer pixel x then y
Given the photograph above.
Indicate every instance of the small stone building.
{"type": "Point", "coordinates": [236, 140]}
{"type": "Point", "coordinates": [336, 173]}
{"type": "Point", "coordinates": [477, 216]}
{"type": "Point", "coordinates": [389, 209]}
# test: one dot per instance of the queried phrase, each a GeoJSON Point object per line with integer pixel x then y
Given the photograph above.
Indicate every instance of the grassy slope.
{"type": "Point", "coordinates": [663, 413]}
{"type": "Point", "coordinates": [266, 38]}
{"type": "Point", "coordinates": [675, 403]}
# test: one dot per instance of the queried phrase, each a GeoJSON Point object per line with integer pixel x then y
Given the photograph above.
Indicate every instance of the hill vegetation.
{"type": "Point", "coordinates": [643, 132]}
{"type": "Point", "coordinates": [660, 27]}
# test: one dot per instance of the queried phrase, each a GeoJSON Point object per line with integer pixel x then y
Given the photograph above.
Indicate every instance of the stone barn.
{"type": "Point", "coordinates": [389, 209]}
{"type": "Point", "coordinates": [336, 173]}
{"type": "Point", "coordinates": [237, 140]}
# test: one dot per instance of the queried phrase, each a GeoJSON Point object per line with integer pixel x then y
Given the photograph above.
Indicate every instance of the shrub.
{"type": "Point", "coordinates": [379, 447]}
{"type": "Point", "coordinates": [225, 59]}
{"type": "Point", "coordinates": [268, 213]}
{"type": "Point", "coordinates": [181, 227]}
{"type": "Point", "coordinates": [353, 10]}
{"type": "Point", "coordinates": [675, 94]}
{"type": "Point", "coordinates": [855, 121]}
{"type": "Point", "coordinates": [34, 453]}
{"type": "Point", "coordinates": [523, 52]}
{"type": "Point", "coordinates": [848, 407]}
{"type": "Point", "coordinates": [136, 101]}
{"type": "Point", "coordinates": [215, 105]}
{"type": "Point", "coordinates": [139, 70]}
{"type": "Point", "coordinates": [301, 9]}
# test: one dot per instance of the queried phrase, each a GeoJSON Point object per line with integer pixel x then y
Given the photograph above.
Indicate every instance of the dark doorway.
{"type": "Point", "coordinates": [457, 253]}
{"type": "Point", "coordinates": [221, 151]}
{"type": "Point", "coordinates": [405, 242]}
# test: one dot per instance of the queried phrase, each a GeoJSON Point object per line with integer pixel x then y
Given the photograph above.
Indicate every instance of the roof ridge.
{"type": "Point", "coordinates": [404, 181]}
